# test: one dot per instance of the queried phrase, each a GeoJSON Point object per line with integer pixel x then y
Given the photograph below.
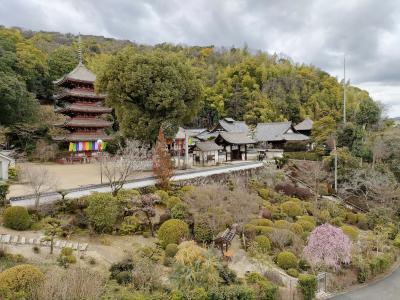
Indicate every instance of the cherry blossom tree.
{"type": "Point", "coordinates": [328, 246]}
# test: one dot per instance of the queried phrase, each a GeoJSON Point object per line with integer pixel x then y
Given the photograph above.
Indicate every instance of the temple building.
{"type": "Point", "coordinates": [83, 108]}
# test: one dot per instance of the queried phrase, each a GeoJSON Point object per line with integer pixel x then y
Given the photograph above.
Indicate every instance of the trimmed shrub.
{"type": "Point", "coordinates": [231, 292]}
{"type": "Point", "coordinates": [16, 217]}
{"type": "Point", "coordinates": [3, 192]}
{"type": "Point", "coordinates": [396, 241]}
{"type": "Point", "coordinates": [261, 222]}
{"type": "Point", "coordinates": [172, 232]}
{"type": "Point", "coordinates": [263, 193]}
{"type": "Point", "coordinates": [186, 188]}
{"type": "Point", "coordinates": [172, 201]}
{"type": "Point", "coordinates": [116, 268]}
{"type": "Point", "coordinates": [363, 271]}
{"type": "Point", "coordinates": [171, 250]}
{"type": "Point", "coordinates": [292, 208]}
{"type": "Point", "coordinates": [306, 225]}
{"type": "Point", "coordinates": [179, 211]}
{"type": "Point", "coordinates": [310, 219]}
{"type": "Point", "coordinates": [22, 278]}
{"type": "Point", "coordinates": [307, 284]}
{"type": "Point", "coordinates": [203, 233]}
{"type": "Point", "coordinates": [350, 231]}
{"type": "Point", "coordinates": [124, 277]}
{"type": "Point", "coordinates": [362, 221]}
{"type": "Point", "coordinates": [103, 211]}
{"type": "Point", "coordinates": [260, 230]}
{"type": "Point", "coordinates": [380, 263]}
{"type": "Point", "coordinates": [293, 272]}
{"type": "Point", "coordinates": [351, 218]}
{"type": "Point", "coordinates": [262, 243]}
{"type": "Point", "coordinates": [66, 257]}
{"type": "Point", "coordinates": [163, 196]}
{"type": "Point", "coordinates": [263, 289]}
{"type": "Point", "coordinates": [337, 221]}
{"type": "Point", "coordinates": [282, 224]}
{"type": "Point", "coordinates": [130, 225]}
{"type": "Point", "coordinates": [296, 228]}
{"type": "Point", "coordinates": [287, 260]}
{"type": "Point", "coordinates": [197, 293]}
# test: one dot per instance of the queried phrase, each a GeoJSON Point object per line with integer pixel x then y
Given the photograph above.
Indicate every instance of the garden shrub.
{"type": "Point", "coordinates": [227, 275]}
{"type": "Point", "coordinates": [292, 208]}
{"type": "Point", "coordinates": [362, 221]}
{"type": "Point", "coordinates": [124, 277]}
{"type": "Point", "coordinates": [262, 243]}
{"type": "Point", "coordinates": [287, 260]}
{"type": "Point", "coordinates": [22, 278]}
{"type": "Point", "coordinates": [363, 271]}
{"type": "Point", "coordinates": [126, 195]}
{"type": "Point", "coordinates": [266, 213]}
{"type": "Point", "coordinates": [282, 224]}
{"type": "Point", "coordinates": [179, 211]}
{"type": "Point", "coordinates": [310, 219]}
{"type": "Point", "coordinates": [116, 268]}
{"type": "Point", "coordinates": [197, 293]}
{"type": "Point", "coordinates": [66, 257]}
{"type": "Point", "coordinates": [337, 221]}
{"type": "Point", "coordinates": [350, 231]}
{"type": "Point", "coordinates": [163, 196]}
{"type": "Point", "coordinates": [263, 289]}
{"type": "Point", "coordinates": [203, 233]}
{"type": "Point", "coordinates": [4, 187]}
{"type": "Point", "coordinates": [296, 228]}
{"type": "Point", "coordinates": [103, 211]}
{"type": "Point", "coordinates": [171, 250]}
{"type": "Point", "coordinates": [380, 263]}
{"type": "Point", "coordinates": [304, 265]}
{"type": "Point", "coordinates": [351, 218]}
{"type": "Point", "coordinates": [324, 216]}
{"type": "Point", "coordinates": [16, 217]}
{"type": "Point", "coordinates": [231, 292]}
{"type": "Point", "coordinates": [307, 284]}
{"type": "Point", "coordinates": [186, 188]}
{"type": "Point", "coordinates": [261, 222]}
{"type": "Point", "coordinates": [172, 201]}
{"type": "Point", "coordinates": [130, 225]}
{"type": "Point", "coordinates": [172, 231]}
{"type": "Point", "coordinates": [80, 220]}
{"type": "Point", "coordinates": [306, 225]}
{"type": "Point", "coordinates": [293, 272]}
{"type": "Point", "coordinates": [263, 193]}
{"type": "Point", "coordinates": [396, 241]}
{"type": "Point", "coordinates": [263, 229]}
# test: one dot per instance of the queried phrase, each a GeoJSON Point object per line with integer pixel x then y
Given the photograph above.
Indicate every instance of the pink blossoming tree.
{"type": "Point", "coordinates": [329, 246]}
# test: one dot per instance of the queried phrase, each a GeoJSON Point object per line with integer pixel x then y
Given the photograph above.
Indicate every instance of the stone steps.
{"type": "Point", "coordinates": [21, 240]}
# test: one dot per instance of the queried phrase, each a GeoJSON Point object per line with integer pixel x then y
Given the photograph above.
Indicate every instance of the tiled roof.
{"type": "Point", "coordinates": [208, 146]}
{"type": "Point", "coordinates": [295, 137]}
{"type": "Point", "coordinates": [83, 93]}
{"type": "Point", "coordinates": [277, 131]}
{"type": "Point", "coordinates": [87, 122]}
{"type": "Point", "coordinates": [80, 73]}
{"type": "Point", "coordinates": [230, 125]}
{"type": "Point", "coordinates": [84, 108]}
{"type": "Point", "coordinates": [190, 132]}
{"type": "Point", "coordinates": [236, 138]}
{"type": "Point", "coordinates": [307, 124]}
{"type": "Point", "coordinates": [206, 135]}
{"type": "Point", "coordinates": [84, 137]}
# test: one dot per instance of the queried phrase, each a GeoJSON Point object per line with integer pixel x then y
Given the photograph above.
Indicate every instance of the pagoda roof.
{"type": "Point", "coordinates": [84, 137]}
{"type": "Point", "coordinates": [86, 122]}
{"type": "Point", "coordinates": [82, 93]}
{"type": "Point", "coordinates": [79, 74]}
{"type": "Point", "coordinates": [82, 108]}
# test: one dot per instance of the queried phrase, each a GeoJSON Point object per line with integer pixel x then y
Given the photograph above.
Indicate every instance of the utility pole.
{"type": "Point", "coordinates": [186, 150]}
{"type": "Point", "coordinates": [344, 90]}
{"type": "Point", "coordinates": [334, 149]}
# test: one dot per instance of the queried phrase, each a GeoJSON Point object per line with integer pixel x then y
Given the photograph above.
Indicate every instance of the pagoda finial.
{"type": "Point", "coordinates": [79, 48]}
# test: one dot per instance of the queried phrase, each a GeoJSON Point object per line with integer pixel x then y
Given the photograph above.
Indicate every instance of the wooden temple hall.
{"type": "Point", "coordinates": [84, 127]}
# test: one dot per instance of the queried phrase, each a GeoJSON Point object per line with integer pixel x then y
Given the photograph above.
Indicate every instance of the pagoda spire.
{"type": "Point", "coordinates": [79, 48]}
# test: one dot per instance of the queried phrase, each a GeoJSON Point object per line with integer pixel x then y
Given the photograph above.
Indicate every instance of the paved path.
{"type": "Point", "coordinates": [385, 289]}
{"type": "Point", "coordinates": [29, 200]}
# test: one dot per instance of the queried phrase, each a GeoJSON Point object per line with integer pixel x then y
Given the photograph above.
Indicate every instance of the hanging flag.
{"type": "Point", "coordinates": [70, 147]}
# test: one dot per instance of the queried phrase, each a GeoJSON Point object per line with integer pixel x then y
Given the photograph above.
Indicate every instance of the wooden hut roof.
{"type": "Point", "coordinates": [234, 138]}
{"type": "Point", "coordinates": [207, 146]}
{"type": "Point", "coordinates": [306, 124]}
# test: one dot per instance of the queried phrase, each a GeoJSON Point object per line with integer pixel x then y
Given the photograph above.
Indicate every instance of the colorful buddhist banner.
{"type": "Point", "coordinates": [86, 146]}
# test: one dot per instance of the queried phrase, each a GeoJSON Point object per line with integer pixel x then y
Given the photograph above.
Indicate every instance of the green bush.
{"type": "Point", "coordinates": [263, 289]}
{"type": "Point", "coordinates": [324, 216]}
{"type": "Point", "coordinates": [351, 218]}
{"type": "Point", "coordinates": [362, 221]}
{"type": "Point", "coordinates": [292, 272]}
{"type": "Point", "coordinates": [263, 193]}
{"type": "Point", "coordinates": [396, 241]}
{"type": "Point", "coordinates": [179, 211]}
{"type": "Point", "coordinates": [282, 224]}
{"type": "Point", "coordinates": [287, 260]}
{"type": "Point", "coordinates": [261, 222]}
{"type": "Point", "coordinates": [22, 278]}
{"type": "Point", "coordinates": [262, 243]}
{"type": "Point", "coordinates": [16, 217]}
{"type": "Point", "coordinates": [124, 277]}
{"type": "Point", "coordinates": [203, 233]}
{"type": "Point", "coordinates": [310, 219]}
{"type": "Point", "coordinates": [296, 228]}
{"type": "Point", "coordinates": [306, 225]}
{"type": "Point", "coordinates": [337, 221]}
{"type": "Point", "coordinates": [363, 271]}
{"type": "Point", "coordinates": [3, 192]}
{"type": "Point", "coordinates": [163, 196]}
{"type": "Point", "coordinates": [172, 201]}
{"type": "Point", "coordinates": [171, 250]}
{"type": "Point", "coordinates": [172, 232]}
{"type": "Point", "coordinates": [197, 293]}
{"type": "Point", "coordinates": [303, 155]}
{"type": "Point", "coordinates": [263, 230]}
{"type": "Point", "coordinates": [380, 263]}
{"type": "Point", "coordinates": [350, 231]}
{"type": "Point", "coordinates": [186, 188]}
{"type": "Point", "coordinates": [307, 284]}
{"type": "Point", "coordinates": [130, 225]}
{"type": "Point", "coordinates": [292, 208]}
{"type": "Point", "coordinates": [231, 292]}
{"type": "Point", "coordinates": [103, 211]}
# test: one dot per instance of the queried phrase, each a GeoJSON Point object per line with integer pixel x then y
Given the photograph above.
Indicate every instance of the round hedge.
{"type": "Point", "coordinates": [292, 208]}
{"type": "Point", "coordinates": [172, 201]}
{"type": "Point", "coordinates": [306, 225]}
{"type": "Point", "coordinates": [287, 260]}
{"type": "Point", "coordinates": [282, 224]}
{"type": "Point", "coordinates": [21, 278]}
{"type": "Point", "coordinates": [16, 217]}
{"type": "Point", "coordinates": [171, 250]}
{"type": "Point", "coordinates": [203, 233]}
{"type": "Point", "coordinates": [296, 228]}
{"type": "Point", "coordinates": [263, 193]}
{"type": "Point", "coordinates": [261, 222]}
{"type": "Point", "coordinates": [172, 231]}
{"type": "Point", "coordinates": [262, 243]}
{"type": "Point", "coordinates": [293, 272]}
{"type": "Point", "coordinates": [350, 231]}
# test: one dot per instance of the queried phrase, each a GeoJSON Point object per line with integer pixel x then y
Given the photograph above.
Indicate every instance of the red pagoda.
{"type": "Point", "coordinates": [77, 100]}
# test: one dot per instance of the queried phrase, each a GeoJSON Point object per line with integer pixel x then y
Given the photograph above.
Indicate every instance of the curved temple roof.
{"type": "Point", "coordinates": [80, 74]}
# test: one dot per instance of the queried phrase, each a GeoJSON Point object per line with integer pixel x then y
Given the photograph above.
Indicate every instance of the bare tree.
{"type": "Point", "coordinates": [39, 179]}
{"type": "Point", "coordinates": [162, 165]}
{"type": "Point", "coordinates": [379, 151]}
{"type": "Point", "coordinates": [128, 160]}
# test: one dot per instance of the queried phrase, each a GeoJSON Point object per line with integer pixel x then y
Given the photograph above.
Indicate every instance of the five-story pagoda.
{"type": "Point", "coordinates": [83, 107]}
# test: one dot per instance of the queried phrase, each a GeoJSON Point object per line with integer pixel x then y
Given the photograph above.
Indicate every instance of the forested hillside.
{"type": "Point", "coordinates": [203, 84]}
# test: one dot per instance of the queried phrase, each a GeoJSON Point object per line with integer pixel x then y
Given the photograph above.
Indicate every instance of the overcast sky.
{"type": "Point", "coordinates": [315, 32]}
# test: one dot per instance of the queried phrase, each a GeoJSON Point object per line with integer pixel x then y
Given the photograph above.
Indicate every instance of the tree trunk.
{"type": "Point", "coordinates": [51, 244]}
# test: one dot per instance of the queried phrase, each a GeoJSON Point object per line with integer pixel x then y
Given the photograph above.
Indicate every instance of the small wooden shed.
{"type": "Point", "coordinates": [206, 153]}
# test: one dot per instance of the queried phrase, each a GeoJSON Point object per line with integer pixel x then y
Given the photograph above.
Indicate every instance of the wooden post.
{"type": "Point", "coordinates": [231, 152]}
{"type": "Point", "coordinates": [245, 151]}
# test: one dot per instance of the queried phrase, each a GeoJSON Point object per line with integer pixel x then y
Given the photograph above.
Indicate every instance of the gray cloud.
{"type": "Point", "coordinates": [316, 32]}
